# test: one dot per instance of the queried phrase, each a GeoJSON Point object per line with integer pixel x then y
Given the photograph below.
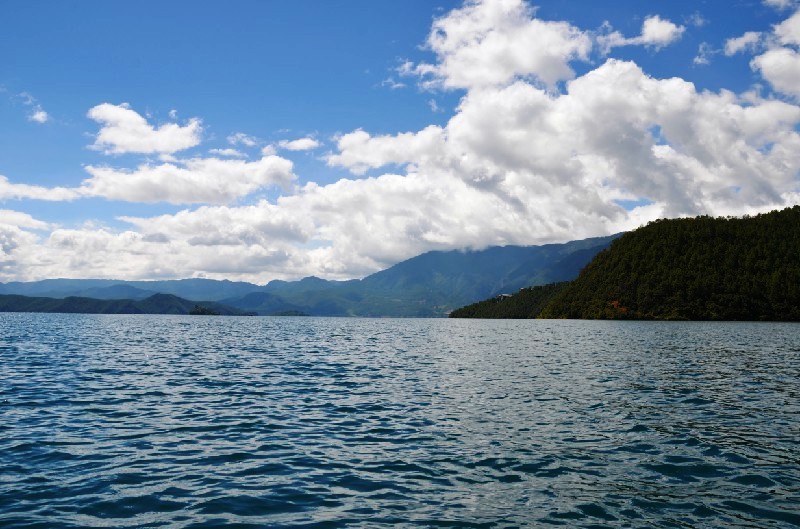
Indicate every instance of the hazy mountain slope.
{"type": "Point", "coordinates": [117, 291]}
{"type": "Point", "coordinates": [264, 304]}
{"type": "Point", "coordinates": [195, 288]}
{"type": "Point", "coordinates": [431, 284]}
{"type": "Point", "coordinates": [156, 304]}
{"type": "Point", "coordinates": [434, 283]}
{"type": "Point", "coordinates": [450, 279]}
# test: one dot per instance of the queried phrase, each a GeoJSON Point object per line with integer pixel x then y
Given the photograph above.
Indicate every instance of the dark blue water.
{"type": "Point", "coordinates": [188, 422]}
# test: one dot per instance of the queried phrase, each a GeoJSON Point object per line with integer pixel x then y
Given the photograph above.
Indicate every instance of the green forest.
{"type": "Point", "coordinates": [527, 303]}
{"type": "Point", "coordinates": [700, 268]}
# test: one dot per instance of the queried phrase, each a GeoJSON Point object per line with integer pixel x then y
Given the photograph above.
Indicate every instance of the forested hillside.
{"type": "Point", "coordinates": [527, 303]}
{"type": "Point", "coordinates": [696, 269]}
{"type": "Point", "coordinates": [700, 268]}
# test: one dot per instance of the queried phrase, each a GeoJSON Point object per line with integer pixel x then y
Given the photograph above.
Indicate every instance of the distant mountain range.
{"type": "Point", "coordinates": [155, 304]}
{"type": "Point", "coordinates": [429, 285]}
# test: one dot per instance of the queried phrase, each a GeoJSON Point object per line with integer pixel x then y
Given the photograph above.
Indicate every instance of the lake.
{"type": "Point", "coordinates": [191, 422]}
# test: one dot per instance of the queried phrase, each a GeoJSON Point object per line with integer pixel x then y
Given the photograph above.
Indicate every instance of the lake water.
{"type": "Point", "coordinates": [190, 422]}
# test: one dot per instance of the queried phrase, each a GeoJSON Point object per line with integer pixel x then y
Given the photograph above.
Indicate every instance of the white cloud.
{"type": "Point", "coordinates": [359, 151]}
{"type": "Point", "coordinates": [491, 42]}
{"type": "Point", "coordinates": [781, 67]}
{"type": "Point", "coordinates": [125, 131]}
{"type": "Point", "coordinates": [301, 144]}
{"type": "Point", "coordinates": [596, 143]}
{"type": "Point", "coordinates": [656, 33]}
{"type": "Point", "coordinates": [704, 53]}
{"type": "Point", "coordinates": [197, 180]}
{"type": "Point", "coordinates": [191, 181]}
{"type": "Point", "coordinates": [392, 83]}
{"type": "Point", "coordinates": [231, 153]}
{"type": "Point", "coordinates": [514, 165]}
{"type": "Point", "coordinates": [780, 64]}
{"type": "Point", "coordinates": [19, 246]}
{"type": "Point", "coordinates": [780, 4]}
{"type": "Point", "coordinates": [747, 42]}
{"type": "Point", "coordinates": [39, 116]}
{"type": "Point", "coordinates": [788, 31]}
{"type": "Point", "coordinates": [10, 190]}
{"type": "Point", "coordinates": [22, 220]}
{"type": "Point", "coordinates": [37, 113]}
{"type": "Point", "coordinates": [240, 138]}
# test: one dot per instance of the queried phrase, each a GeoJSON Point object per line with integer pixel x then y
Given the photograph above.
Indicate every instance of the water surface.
{"type": "Point", "coordinates": [189, 422]}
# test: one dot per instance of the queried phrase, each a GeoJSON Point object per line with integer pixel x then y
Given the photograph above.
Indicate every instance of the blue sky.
{"type": "Point", "coordinates": [155, 139]}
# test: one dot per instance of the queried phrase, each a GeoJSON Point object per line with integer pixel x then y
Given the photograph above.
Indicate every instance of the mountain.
{"type": "Point", "coordinates": [117, 291]}
{"type": "Point", "coordinates": [434, 283]}
{"type": "Point", "coordinates": [195, 288]}
{"type": "Point", "coordinates": [429, 285]}
{"type": "Point", "coordinates": [266, 304]}
{"type": "Point", "coordinates": [699, 268]}
{"type": "Point", "coordinates": [155, 304]}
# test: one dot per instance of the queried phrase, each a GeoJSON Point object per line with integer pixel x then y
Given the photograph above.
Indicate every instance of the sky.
{"type": "Point", "coordinates": [260, 140]}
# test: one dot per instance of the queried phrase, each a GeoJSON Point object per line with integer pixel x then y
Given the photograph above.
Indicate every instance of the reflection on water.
{"type": "Point", "coordinates": [157, 421]}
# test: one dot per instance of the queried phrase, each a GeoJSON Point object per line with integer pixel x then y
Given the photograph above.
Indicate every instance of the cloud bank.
{"type": "Point", "coordinates": [533, 153]}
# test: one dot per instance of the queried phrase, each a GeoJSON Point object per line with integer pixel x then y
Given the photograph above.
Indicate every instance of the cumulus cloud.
{"type": "Point", "coordinates": [490, 42]}
{"type": "Point", "coordinates": [359, 151]}
{"type": "Point", "coordinates": [196, 180]}
{"type": "Point", "coordinates": [301, 144]}
{"type": "Point", "coordinates": [780, 64]}
{"type": "Point", "coordinates": [656, 33]}
{"type": "Point", "coordinates": [514, 165]}
{"type": "Point", "coordinates": [781, 67]}
{"type": "Point", "coordinates": [788, 31]}
{"type": "Point", "coordinates": [616, 133]}
{"type": "Point", "coordinates": [747, 42]}
{"type": "Point", "coordinates": [191, 181]}
{"type": "Point", "coordinates": [125, 131]}
{"type": "Point", "coordinates": [520, 161]}
{"type": "Point", "coordinates": [18, 242]}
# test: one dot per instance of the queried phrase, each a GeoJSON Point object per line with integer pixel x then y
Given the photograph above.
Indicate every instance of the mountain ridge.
{"type": "Point", "coordinates": [428, 285]}
{"type": "Point", "coordinates": [155, 304]}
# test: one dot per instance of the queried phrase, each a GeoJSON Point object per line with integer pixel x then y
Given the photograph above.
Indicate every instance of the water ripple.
{"type": "Point", "coordinates": [181, 422]}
